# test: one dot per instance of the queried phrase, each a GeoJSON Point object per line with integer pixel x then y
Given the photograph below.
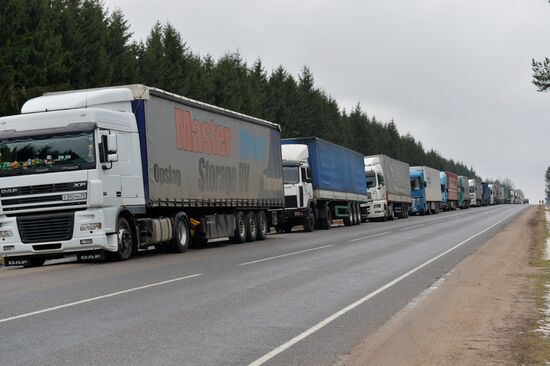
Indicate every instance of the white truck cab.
{"type": "Point", "coordinates": [298, 187]}
{"type": "Point", "coordinates": [60, 188]}
{"type": "Point", "coordinates": [377, 207]}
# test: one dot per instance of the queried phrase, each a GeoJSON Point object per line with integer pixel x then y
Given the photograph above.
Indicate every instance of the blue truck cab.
{"type": "Point", "coordinates": [417, 192]}
{"type": "Point", "coordinates": [443, 181]}
{"type": "Point", "coordinates": [486, 194]}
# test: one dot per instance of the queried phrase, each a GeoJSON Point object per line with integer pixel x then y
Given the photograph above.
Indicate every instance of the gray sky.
{"type": "Point", "coordinates": [456, 74]}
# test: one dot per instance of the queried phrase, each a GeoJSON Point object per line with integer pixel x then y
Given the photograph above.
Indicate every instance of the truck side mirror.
{"type": "Point", "coordinates": [112, 157]}
{"type": "Point", "coordinates": [425, 185]}
{"type": "Point", "coordinates": [112, 145]}
{"type": "Point", "coordinates": [308, 175]}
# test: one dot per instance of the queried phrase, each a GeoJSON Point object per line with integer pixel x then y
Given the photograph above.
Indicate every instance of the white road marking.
{"type": "Point", "coordinates": [411, 227]}
{"type": "Point", "coordinates": [268, 356]}
{"type": "Point", "coordinates": [371, 236]}
{"type": "Point", "coordinates": [91, 299]}
{"type": "Point", "coordinates": [285, 255]}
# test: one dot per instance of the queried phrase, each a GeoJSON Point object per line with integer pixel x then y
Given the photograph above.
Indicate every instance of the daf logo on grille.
{"type": "Point", "coordinates": [8, 190]}
{"type": "Point", "coordinates": [79, 184]}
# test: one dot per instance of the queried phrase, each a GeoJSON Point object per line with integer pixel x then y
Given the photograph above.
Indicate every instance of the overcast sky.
{"type": "Point", "coordinates": [456, 74]}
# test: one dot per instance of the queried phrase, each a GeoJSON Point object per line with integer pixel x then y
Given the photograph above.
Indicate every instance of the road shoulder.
{"type": "Point", "coordinates": [472, 316]}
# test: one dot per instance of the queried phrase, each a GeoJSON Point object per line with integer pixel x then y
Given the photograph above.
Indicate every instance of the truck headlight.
{"type": "Point", "coordinates": [6, 234]}
{"type": "Point", "coordinates": [90, 227]}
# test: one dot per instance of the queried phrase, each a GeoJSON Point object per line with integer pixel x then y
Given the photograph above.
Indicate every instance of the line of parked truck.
{"type": "Point", "coordinates": [107, 172]}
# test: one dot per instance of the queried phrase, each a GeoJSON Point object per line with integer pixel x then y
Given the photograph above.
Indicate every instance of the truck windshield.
{"type": "Point", "coordinates": [415, 183]}
{"type": "Point", "coordinates": [291, 175]}
{"type": "Point", "coordinates": [371, 180]}
{"type": "Point", "coordinates": [47, 153]}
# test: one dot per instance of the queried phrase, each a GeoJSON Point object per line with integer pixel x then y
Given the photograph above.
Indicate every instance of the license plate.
{"type": "Point", "coordinates": [73, 196]}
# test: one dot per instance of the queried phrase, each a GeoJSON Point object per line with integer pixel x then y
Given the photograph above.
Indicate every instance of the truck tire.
{"type": "Point", "coordinates": [309, 221]}
{"type": "Point", "coordinates": [263, 228]}
{"type": "Point", "coordinates": [126, 245]}
{"type": "Point", "coordinates": [251, 226]}
{"type": "Point", "coordinates": [240, 230]}
{"type": "Point", "coordinates": [181, 236]}
{"type": "Point", "coordinates": [326, 221]}
{"type": "Point", "coordinates": [357, 214]}
{"type": "Point", "coordinates": [35, 262]}
{"type": "Point", "coordinates": [353, 215]}
{"type": "Point", "coordinates": [348, 220]}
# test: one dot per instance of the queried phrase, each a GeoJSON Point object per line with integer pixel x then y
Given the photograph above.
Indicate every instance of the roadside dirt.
{"type": "Point", "coordinates": [474, 316]}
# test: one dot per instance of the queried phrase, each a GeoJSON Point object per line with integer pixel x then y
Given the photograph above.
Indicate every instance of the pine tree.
{"type": "Point", "coordinates": [541, 74]}
{"type": "Point", "coordinates": [547, 181]}
{"type": "Point", "coordinates": [123, 66]}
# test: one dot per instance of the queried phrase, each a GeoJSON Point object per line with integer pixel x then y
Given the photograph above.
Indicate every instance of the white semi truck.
{"type": "Point", "coordinates": [322, 181]}
{"type": "Point", "coordinates": [111, 171]}
{"type": "Point", "coordinates": [389, 187]}
{"type": "Point", "coordinates": [476, 192]}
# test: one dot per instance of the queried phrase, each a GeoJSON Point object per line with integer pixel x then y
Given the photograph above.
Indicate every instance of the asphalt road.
{"type": "Point", "coordinates": [294, 299]}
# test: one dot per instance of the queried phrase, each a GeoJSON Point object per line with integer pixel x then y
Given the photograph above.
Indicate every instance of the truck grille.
{"type": "Point", "coordinates": [291, 201]}
{"type": "Point", "coordinates": [16, 200]}
{"type": "Point", "coordinates": [44, 188]}
{"type": "Point", "coordinates": [46, 228]}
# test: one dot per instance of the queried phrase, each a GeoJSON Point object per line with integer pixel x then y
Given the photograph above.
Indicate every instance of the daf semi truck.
{"type": "Point", "coordinates": [388, 184]}
{"type": "Point", "coordinates": [425, 190]}
{"type": "Point", "coordinates": [111, 171]}
{"type": "Point", "coordinates": [322, 181]}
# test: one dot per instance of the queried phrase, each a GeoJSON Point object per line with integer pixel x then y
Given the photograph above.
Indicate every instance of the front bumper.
{"type": "Point", "coordinates": [79, 242]}
{"type": "Point", "coordinates": [292, 215]}
{"type": "Point", "coordinates": [375, 209]}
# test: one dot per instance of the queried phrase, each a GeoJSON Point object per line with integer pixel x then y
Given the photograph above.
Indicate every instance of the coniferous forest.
{"type": "Point", "coordinates": [52, 45]}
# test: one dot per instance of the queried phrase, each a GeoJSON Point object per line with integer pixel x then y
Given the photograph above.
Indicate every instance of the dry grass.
{"type": "Point", "coordinates": [531, 348]}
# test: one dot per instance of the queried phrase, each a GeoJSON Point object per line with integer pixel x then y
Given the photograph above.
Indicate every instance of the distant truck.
{"type": "Point", "coordinates": [463, 192]}
{"type": "Point", "coordinates": [388, 185]}
{"type": "Point", "coordinates": [449, 190]}
{"type": "Point", "coordinates": [110, 171]}
{"type": "Point", "coordinates": [486, 194]}
{"type": "Point", "coordinates": [322, 181]}
{"type": "Point", "coordinates": [476, 192]}
{"type": "Point", "coordinates": [493, 198]}
{"type": "Point", "coordinates": [425, 190]}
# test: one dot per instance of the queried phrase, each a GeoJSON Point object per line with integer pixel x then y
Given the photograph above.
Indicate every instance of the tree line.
{"type": "Point", "coordinates": [52, 45]}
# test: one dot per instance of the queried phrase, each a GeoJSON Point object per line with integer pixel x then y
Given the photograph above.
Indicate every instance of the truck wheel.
{"type": "Point", "coordinates": [263, 228]}
{"type": "Point", "coordinates": [35, 262]}
{"type": "Point", "coordinates": [240, 230]}
{"type": "Point", "coordinates": [125, 246]}
{"type": "Point", "coordinates": [327, 220]}
{"type": "Point", "coordinates": [354, 214]}
{"type": "Point", "coordinates": [180, 234]}
{"type": "Point", "coordinates": [357, 214]}
{"type": "Point", "coordinates": [348, 219]}
{"type": "Point", "coordinates": [251, 226]}
{"type": "Point", "coordinates": [309, 221]}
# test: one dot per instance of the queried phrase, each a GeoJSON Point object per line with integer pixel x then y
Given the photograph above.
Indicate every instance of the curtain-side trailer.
{"type": "Point", "coordinates": [110, 171]}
